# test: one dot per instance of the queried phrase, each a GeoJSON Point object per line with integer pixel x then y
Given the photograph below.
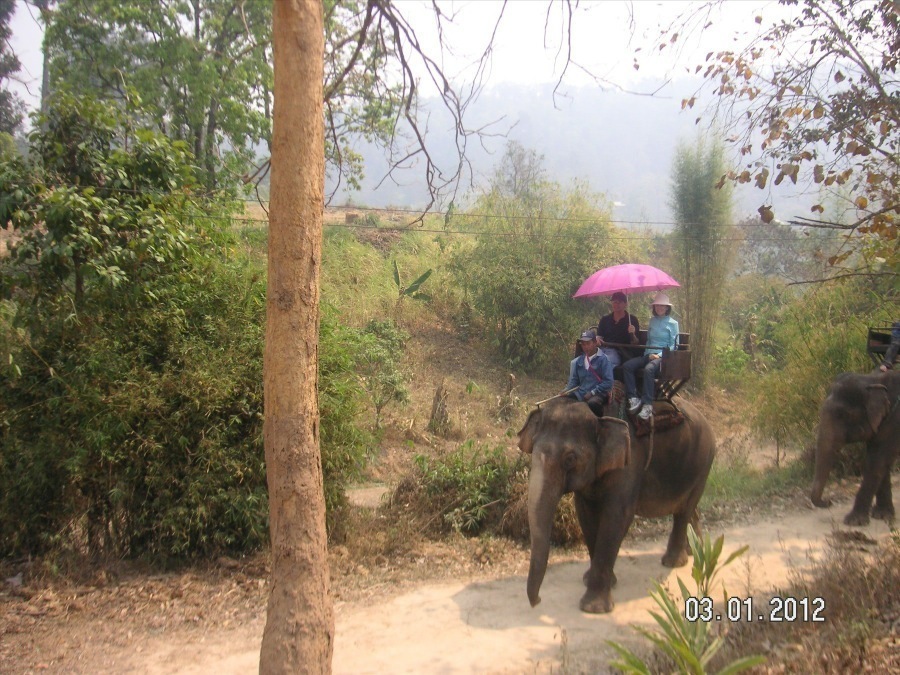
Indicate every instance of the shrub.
{"type": "Point", "coordinates": [818, 336]}
{"type": "Point", "coordinates": [343, 440]}
{"type": "Point", "coordinates": [465, 490]}
{"type": "Point", "coordinates": [379, 349]}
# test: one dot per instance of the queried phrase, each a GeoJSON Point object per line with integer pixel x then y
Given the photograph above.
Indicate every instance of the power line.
{"type": "Point", "coordinates": [541, 235]}
{"type": "Point", "coordinates": [533, 218]}
{"type": "Point", "coordinates": [540, 219]}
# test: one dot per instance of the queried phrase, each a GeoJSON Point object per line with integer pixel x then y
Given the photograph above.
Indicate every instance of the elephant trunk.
{"type": "Point", "coordinates": [544, 493]}
{"type": "Point", "coordinates": [826, 447]}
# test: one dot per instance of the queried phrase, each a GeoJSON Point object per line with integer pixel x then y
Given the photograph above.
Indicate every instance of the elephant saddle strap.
{"type": "Point", "coordinates": [662, 420]}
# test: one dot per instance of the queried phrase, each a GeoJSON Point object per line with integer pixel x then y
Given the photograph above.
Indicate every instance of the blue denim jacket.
{"type": "Point", "coordinates": [586, 378]}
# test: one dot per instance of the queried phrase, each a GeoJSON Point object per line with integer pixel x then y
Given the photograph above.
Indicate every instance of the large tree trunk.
{"type": "Point", "coordinates": [299, 631]}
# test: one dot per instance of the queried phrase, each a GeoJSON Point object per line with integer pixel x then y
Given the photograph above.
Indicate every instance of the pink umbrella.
{"type": "Point", "coordinates": [628, 278]}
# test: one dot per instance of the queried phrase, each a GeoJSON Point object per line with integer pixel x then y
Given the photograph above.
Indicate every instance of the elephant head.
{"type": "Point", "coordinates": [853, 411]}
{"type": "Point", "coordinates": [570, 448]}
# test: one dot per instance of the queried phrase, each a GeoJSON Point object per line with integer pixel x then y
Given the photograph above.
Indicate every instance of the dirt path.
{"type": "Point", "coordinates": [488, 627]}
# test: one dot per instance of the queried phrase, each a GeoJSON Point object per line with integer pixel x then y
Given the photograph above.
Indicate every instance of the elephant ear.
{"type": "Point", "coordinates": [878, 405]}
{"type": "Point", "coordinates": [613, 445]}
{"type": "Point", "coordinates": [529, 431]}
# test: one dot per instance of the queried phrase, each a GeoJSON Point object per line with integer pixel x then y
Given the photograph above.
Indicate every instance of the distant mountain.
{"type": "Point", "coordinates": [621, 144]}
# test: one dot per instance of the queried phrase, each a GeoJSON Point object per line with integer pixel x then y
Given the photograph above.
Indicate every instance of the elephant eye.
{"type": "Point", "coordinates": [569, 461]}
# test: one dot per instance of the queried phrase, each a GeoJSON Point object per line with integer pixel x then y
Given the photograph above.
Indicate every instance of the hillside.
{"type": "Point", "coordinates": [405, 600]}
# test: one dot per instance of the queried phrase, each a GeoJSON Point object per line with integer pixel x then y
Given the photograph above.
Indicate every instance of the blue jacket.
{"type": "Point", "coordinates": [661, 332]}
{"type": "Point", "coordinates": [587, 380]}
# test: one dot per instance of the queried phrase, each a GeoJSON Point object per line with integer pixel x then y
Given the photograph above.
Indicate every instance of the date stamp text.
{"type": "Point", "coordinates": [778, 609]}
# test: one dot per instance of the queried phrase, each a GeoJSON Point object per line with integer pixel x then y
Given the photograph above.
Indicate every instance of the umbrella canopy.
{"type": "Point", "coordinates": [628, 278]}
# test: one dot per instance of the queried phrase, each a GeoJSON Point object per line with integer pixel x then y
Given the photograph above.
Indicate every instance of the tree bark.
{"type": "Point", "coordinates": [299, 632]}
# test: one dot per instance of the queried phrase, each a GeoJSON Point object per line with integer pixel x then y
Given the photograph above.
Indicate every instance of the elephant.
{"type": "Point", "coordinates": [861, 408]}
{"type": "Point", "coordinates": [613, 475]}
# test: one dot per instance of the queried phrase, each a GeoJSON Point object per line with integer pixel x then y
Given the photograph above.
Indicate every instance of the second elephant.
{"type": "Point", "coordinates": [861, 408]}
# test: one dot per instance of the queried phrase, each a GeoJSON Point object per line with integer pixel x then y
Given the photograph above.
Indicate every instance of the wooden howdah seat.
{"type": "Point", "coordinates": [877, 343]}
{"type": "Point", "coordinates": [675, 369]}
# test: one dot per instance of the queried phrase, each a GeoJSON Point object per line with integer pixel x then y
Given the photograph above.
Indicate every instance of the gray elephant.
{"type": "Point", "coordinates": [861, 408]}
{"type": "Point", "coordinates": [614, 475]}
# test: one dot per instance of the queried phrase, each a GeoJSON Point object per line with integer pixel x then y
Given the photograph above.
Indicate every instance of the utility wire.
{"type": "Point", "coordinates": [211, 194]}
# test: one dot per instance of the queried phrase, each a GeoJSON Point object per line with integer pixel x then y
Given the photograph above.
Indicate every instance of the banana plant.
{"type": "Point", "coordinates": [411, 291]}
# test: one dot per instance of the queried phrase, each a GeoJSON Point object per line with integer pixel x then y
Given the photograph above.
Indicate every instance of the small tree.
{"type": "Point", "coordinates": [825, 115]}
{"type": "Point", "coordinates": [133, 381]}
{"type": "Point", "coordinates": [380, 348]}
{"type": "Point", "coordinates": [537, 243]}
{"type": "Point", "coordinates": [703, 223]}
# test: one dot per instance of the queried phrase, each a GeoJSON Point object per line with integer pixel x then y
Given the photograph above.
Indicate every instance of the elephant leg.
{"type": "Point", "coordinates": [587, 575]}
{"type": "Point", "coordinates": [588, 518]}
{"type": "Point", "coordinates": [875, 470]}
{"type": "Point", "coordinates": [698, 529]}
{"type": "Point", "coordinates": [614, 514]}
{"type": "Point", "coordinates": [695, 522]}
{"type": "Point", "coordinates": [830, 438]}
{"type": "Point", "coordinates": [676, 553]}
{"type": "Point", "coordinates": [677, 550]}
{"type": "Point", "coordinates": [884, 501]}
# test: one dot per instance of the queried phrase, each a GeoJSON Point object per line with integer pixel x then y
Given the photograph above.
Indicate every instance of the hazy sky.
{"type": "Point", "coordinates": [26, 43]}
{"type": "Point", "coordinates": [604, 38]}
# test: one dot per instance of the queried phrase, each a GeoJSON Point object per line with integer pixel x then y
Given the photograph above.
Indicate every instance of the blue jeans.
{"type": "Point", "coordinates": [651, 369]}
{"type": "Point", "coordinates": [612, 355]}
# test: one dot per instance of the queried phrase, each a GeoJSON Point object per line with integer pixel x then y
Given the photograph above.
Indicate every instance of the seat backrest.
{"type": "Point", "coordinates": [877, 343]}
{"type": "Point", "coordinates": [676, 365]}
{"type": "Point", "coordinates": [684, 339]}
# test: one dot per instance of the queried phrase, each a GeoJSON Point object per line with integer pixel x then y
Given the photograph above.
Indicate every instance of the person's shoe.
{"type": "Point", "coordinates": [633, 404]}
{"type": "Point", "coordinates": [646, 412]}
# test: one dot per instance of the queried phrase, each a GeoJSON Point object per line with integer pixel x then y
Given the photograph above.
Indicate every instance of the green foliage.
{"type": "Point", "coordinates": [463, 485]}
{"type": "Point", "coordinates": [753, 307]}
{"type": "Point", "coordinates": [818, 336]}
{"type": "Point", "coordinates": [689, 645]}
{"type": "Point", "coordinates": [731, 359]}
{"type": "Point", "coordinates": [204, 70]}
{"type": "Point", "coordinates": [343, 441]}
{"type": "Point", "coordinates": [537, 243]}
{"type": "Point", "coordinates": [731, 366]}
{"type": "Point", "coordinates": [706, 560]}
{"type": "Point", "coordinates": [379, 351]}
{"type": "Point", "coordinates": [703, 223]}
{"type": "Point", "coordinates": [737, 482]}
{"type": "Point", "coordinates": [11, 105]}
{"type": "Point", "coordinates": [131, 329]}
{"type": "Point", "coordinates": [411, 291]}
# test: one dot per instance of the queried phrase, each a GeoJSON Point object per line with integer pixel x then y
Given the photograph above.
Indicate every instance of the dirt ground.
{"type": "Point", "coordinates": [459, 607]}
